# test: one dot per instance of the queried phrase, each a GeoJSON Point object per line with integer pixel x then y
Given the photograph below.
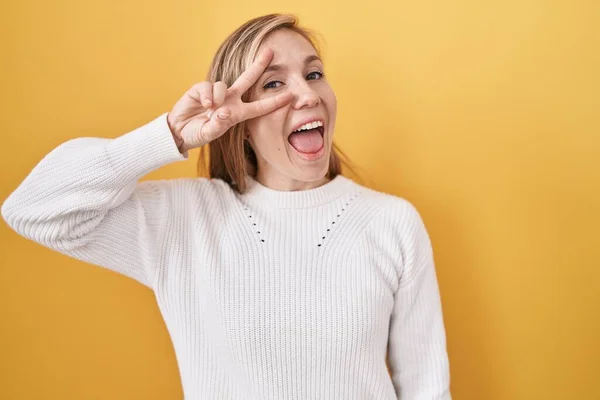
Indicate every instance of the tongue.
{"type": "Point", "coordinates": [307, 141]}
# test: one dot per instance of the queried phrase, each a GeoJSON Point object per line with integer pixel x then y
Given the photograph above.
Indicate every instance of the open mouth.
{"type": "Point", "coordinates": [308, 139]}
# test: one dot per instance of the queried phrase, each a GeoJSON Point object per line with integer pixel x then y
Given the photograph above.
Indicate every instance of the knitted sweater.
{"type": "Point", "coordinates": [266, 295]}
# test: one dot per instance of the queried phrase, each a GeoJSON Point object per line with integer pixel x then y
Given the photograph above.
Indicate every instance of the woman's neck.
{"type": "Point", "coordinates": [287, 184]}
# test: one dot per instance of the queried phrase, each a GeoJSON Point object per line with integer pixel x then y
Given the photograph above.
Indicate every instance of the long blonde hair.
{"type": "Point", "coordinates": [230, 157]}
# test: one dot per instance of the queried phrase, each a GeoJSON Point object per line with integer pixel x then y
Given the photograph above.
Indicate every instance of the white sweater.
{"type": "Point", "coordinates": [267, 295]}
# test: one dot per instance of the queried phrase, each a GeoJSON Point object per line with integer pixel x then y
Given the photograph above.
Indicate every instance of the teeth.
{"type": "Point", "coordinates": [310, 125]}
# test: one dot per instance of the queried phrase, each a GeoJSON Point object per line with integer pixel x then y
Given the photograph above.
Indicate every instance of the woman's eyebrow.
{"type": "Point", "coordinates": [278, 67]}
{"type": "Point", "coordinates": [312, 58]}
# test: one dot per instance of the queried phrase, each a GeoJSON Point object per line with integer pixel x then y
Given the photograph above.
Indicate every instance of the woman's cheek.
{"type": "Point", "coordinates": [279, 115]}
{"type": "Point", "coordinates": [275, 122]}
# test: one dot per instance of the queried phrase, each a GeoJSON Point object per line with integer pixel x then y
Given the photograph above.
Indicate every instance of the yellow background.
{"type": "Point", "coordinates": [484, 114]}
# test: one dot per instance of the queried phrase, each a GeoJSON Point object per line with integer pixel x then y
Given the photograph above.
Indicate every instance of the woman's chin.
{"type": "Point", "coordinates": [313, 172]}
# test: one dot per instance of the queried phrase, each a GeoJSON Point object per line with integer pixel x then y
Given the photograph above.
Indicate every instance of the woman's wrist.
{"type": "Point", "coordinates": [179, 142]}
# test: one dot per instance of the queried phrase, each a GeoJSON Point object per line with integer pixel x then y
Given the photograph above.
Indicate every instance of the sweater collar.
{"type": "Point", "coordinates": [266, 197]}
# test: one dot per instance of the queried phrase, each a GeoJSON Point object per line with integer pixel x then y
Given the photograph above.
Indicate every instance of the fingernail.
{"type": "Point", "coordinates": [207, 103]}
{"type": "Point", "coordinates": [209, 113]}
{"type": "Point", "coordinates": [223, 115]}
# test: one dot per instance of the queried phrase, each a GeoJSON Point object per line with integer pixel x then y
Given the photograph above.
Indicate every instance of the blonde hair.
{"type": "Point", "coordinates": [230, 157]}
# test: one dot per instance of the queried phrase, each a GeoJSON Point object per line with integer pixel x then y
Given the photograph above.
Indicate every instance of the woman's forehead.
{"type": "Point", "coordinates": [287, 43]}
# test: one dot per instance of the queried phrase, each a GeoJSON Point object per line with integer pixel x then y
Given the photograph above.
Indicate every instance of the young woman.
{"type": "Point", "coordinates": [278, 278]}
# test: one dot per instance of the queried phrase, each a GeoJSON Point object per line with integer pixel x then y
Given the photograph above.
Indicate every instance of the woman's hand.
{"type": "Point", "coordinates": [208, 110]}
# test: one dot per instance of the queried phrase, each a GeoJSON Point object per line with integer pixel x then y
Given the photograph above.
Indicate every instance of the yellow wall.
{"type": "Point", "coordinates": [484, 114]}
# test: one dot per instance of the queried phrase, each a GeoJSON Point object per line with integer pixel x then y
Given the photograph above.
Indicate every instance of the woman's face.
{"type": "Point", "coordinates": [293, 143]}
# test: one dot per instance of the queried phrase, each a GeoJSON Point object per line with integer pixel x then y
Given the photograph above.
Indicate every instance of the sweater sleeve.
{"type": "Point", "coordinates": [417, 343]}
{"type": "Point", "coordinates": [83, 199]}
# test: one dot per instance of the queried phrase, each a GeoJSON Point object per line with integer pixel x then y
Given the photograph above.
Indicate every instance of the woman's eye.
{"type": "Point", "coordinates": [273, 85]}
{"type": "Point", "coordinates": [314, 75]}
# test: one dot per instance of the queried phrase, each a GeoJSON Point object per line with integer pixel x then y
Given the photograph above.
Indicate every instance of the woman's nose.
{"type": "Point", "coordinates": [306, 97]}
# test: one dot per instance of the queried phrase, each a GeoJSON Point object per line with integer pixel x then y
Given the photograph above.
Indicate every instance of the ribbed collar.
{"type": "Point", "coordinates": [266, 197]}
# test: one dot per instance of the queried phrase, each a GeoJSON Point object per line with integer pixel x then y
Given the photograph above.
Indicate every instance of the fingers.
{"type": "Point", "coordinates": [219, 91]}
{"type": "Point", "coordinates": [215, 126]}
{"type": "Point", "coordinates": [251, 75]}
{"type": "Point", "coordinates": [202, 92]}
{"type": "Point", "coordinates": [265, 106]}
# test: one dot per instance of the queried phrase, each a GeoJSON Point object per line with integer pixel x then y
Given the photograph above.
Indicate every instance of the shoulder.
{"type": "Point", "coordinates": [190, 191]}
{"type": "Point", "coordinates": [395, 210]}
{"type": "Point", "coordinates": [395, 230]}
{"type": "Point", "coordinates": [394, 221]}
{"type": "Point", "coordinates": [215, 186]}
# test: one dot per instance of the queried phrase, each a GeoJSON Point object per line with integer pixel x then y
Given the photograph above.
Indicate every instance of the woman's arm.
{"type": "Point", "coordinates": [84, 200]}
{"type": "Point", "coordinates": [417, 343]}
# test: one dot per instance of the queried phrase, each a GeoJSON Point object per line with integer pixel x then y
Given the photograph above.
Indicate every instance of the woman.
{"type": "Point", "coordinates": [278, 278]}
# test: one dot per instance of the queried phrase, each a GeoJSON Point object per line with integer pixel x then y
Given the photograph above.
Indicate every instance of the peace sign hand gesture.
{"type": "Point", "coordinates": [208, 110]}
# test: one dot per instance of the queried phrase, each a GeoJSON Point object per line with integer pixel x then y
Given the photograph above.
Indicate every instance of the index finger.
{"type": "Point", "coordinates": [265, 106]}
{"type": "Point", "coordinates": [251, 75]}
